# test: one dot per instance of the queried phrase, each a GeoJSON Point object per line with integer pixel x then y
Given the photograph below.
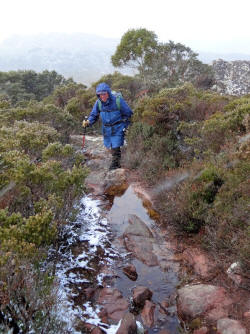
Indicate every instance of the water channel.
{"type": "Point", "coordinates": [92, 255]}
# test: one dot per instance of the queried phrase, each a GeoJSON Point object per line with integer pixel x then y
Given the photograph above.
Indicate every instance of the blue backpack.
{"type": "Point", "coordinates": [117, 95]}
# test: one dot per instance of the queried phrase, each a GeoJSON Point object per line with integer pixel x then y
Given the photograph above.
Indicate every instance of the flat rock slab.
{"type": "Point", "coordinates": [137, 227]}
{"type": "Point", "coordinates": [107, 182]}
{"type": "Point", "coordinates": [147, 314]}
{"type": "Point", "coordinates": [208, 300]}
{"type": "Point", "coordinates": [139, 240]}
{"type": "Point", "coordinates": [128, 324]}
{"type": "Point", "coordinates": [141, 248]}
{"type": "Point", "coordinates": [114, 305]}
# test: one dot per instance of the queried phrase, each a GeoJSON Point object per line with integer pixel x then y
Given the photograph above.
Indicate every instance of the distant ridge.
{"type": "Point", "coordinates": [209, 57]}
{"type": "Point", "coordinates": [85, 57]}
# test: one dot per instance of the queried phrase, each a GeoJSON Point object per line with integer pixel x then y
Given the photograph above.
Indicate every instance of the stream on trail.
{"type": "Point", "coordinates": [91, 257]}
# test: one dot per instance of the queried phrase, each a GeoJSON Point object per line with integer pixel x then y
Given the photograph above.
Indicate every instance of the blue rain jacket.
{"type": "Point", "coordinates": [114, 121]}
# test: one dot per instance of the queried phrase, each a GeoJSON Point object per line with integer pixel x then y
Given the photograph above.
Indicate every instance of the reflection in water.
{"type": "Point", "coordinates": [123, 206]}
{"type": "Point", "coordinates": [161, 282]}
{"type": "Point", "coordinates": [92, 241]}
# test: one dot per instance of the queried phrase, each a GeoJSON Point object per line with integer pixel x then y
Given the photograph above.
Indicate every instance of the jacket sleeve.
{"type": "Point", "coordinates": [126, 111]}
{"type": "Point", "coordinates": [94, 115]}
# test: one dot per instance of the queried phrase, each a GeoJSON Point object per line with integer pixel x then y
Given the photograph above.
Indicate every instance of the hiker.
{"type": "Point", "coordinates": [115, 116]}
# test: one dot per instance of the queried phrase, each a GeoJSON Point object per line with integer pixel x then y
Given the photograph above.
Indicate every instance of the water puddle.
{"type": "Point", "coordinates": [91, 246]}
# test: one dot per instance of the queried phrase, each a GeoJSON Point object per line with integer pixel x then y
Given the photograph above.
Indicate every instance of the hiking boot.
{"type": "Point", "coordinates": [114, 165]}
{"type": "Point", "coordinates": [116, 158]}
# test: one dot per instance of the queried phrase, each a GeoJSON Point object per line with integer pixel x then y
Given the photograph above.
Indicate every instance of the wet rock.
{"type": "Point", "coordinates": [94, 147]}
{"type": "Point", "coordinates": [103, 316]}
{"type": "Point", "coordinates": [137, 227]}
{"type": "Point", "coordinates": [130, 272]}
{"type": "Point", "coordinates": [208, 300]}
{"type": "Point", "coordinates": [115, 182]}
{"type": "Point", "coordinates": [230, 326]}
{"type": "Point", "coordinates": [202, 330]}
{"type": "Point", "coordinates": [128, 324]}
{"type": "Point", "coordinates": [147, 314]}
{"type": "Point", "coordinates": [163, 307]}
{"type": "Point", "coordinates": [201, 264]}
{"type": "Point", "coordinates": [141, 248]}
{"type": "Point", "coordinates": [140, 295]}
{"type": "Point", "coordinates": [113, 303]}
{"type": "Point", "coordinates": [166, 257]}
{"type": "Point", "coordinates": [139, 240]}
{"type": "Point", "coordinates": [97, 330]}
{"type": "Point", "coordinates": [94, 182]}
{"type": "Point", "coordinates": [247, 315]}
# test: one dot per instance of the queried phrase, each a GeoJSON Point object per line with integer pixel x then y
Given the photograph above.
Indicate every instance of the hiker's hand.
{"type": "Point", "coordinates": [85, 123]}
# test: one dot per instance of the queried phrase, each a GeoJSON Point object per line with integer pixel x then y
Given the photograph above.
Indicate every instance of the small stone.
{"type": "Point", "coordinates": [163, 307]}
{"type": "Point", "coordinates": [147, 313]}
{"type": "Point", "coordinates": [130, 272]}
{"type": "Point", "coordinates": [140, 295]}
{"type": "Point", "coordinates": [128, 324]}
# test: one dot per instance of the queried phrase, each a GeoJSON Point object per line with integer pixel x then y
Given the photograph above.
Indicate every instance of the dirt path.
{"type": "Point", "coordinates": [129, 269]}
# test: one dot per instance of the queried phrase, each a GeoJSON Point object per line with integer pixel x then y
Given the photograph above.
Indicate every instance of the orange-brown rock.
{"type": "Point", "coordinates": [201, 299]}
{"type": "Point", "coordinates": [130, 272]}
{"type": "Point", "coordinates": [128, 325]}
{"type": "Point", "coordinates": [140, 295]}
{"type": "Point", "coordinates": [147, 314]}
{"type": "Point", "coordinates": [113, 303]}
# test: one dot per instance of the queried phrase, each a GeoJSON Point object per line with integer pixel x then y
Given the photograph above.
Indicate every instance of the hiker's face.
{"type": "Point", "coordinates": [104, 96]}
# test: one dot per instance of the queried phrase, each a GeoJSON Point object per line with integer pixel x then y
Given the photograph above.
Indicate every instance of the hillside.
{"type": "Point", "coordinates": [81, 56]}
{"type": "Point", "coordinates": [84, 57]}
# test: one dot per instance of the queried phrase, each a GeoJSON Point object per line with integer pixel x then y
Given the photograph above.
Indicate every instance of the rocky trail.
{"type": "Point", "coordinates": [120, 272]}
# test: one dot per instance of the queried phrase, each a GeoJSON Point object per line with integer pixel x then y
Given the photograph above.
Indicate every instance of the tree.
{"type": "Point", "coordinates": [171, 64]}
{"type": "Point", "coordinates": [133, 49]}
{"type": "Point", "coordinates": [161, 64]}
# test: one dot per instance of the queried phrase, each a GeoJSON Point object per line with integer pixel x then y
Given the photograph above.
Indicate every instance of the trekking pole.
{"type": "Point", "coordinates": [84, 134]}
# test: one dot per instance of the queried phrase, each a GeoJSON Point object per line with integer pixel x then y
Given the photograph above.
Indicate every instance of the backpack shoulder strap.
{"type": "Point", "coordinates": [99, 105]}
{"type": "Point", "coordinates": [118, 102]}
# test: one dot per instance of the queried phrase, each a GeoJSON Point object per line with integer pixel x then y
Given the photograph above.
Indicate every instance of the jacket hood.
{"type": "Point", "coordinates": [103, 87]}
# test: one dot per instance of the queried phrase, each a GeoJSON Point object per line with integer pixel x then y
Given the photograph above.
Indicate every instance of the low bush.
{"type": "Point", "coordinates": [45, 178]}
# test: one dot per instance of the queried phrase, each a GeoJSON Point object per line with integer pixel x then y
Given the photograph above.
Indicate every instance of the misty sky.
{"type": "Point", "coordinates": [211, 25]}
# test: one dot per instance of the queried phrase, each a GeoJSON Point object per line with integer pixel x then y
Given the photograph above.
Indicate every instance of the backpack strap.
{"type": "Point", "coordinates": [117, 101]}
{"type": "Point", "coordinates": [99, 105]}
